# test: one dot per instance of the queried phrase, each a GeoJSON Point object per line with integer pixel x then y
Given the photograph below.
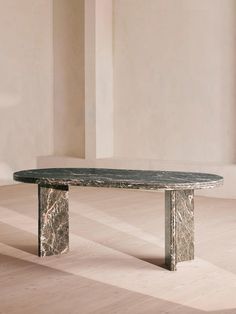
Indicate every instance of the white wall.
{"type": "Point", "coordinates": [25, 83]}
{"type": "Point", "coordinates": [175, 79]}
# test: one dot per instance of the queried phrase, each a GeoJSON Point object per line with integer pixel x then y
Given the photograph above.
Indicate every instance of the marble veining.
{"type": "Point", "coordinates": [184, 225]}
{"type": "Point", "coordinates": [53, 220]}
{"type": "Point", "coordinates": [179, 188]}
{"type": "Point", "coordinates": [170, 230]}
{"type": "Point", "coordinates": [179, 227]}
{"type": "Point", "coordinates": [130, 179]}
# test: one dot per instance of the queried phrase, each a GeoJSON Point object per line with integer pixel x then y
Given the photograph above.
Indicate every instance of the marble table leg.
{"type": "Point", "coordinates": [179, 227]}
{"type": "Point", "coordinates": [53, 220]}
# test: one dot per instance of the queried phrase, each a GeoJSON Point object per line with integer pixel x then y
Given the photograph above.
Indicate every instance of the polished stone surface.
{"type": "Point", "coordinates": [131, 179]}
{"type": "Point", "coordinates": [53, 220]}
{"type": "Point", "coordinates": [179, 227]}
{"type": "Point", "coordinates": [179, 216]}
{"type": "Point", "coordinates": [184, 225]}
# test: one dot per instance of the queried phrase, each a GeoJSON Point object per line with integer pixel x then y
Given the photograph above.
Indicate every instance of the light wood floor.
{"type": "Point", "coordinates": [116, 256]}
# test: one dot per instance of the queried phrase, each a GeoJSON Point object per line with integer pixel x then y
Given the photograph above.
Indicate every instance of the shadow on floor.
{"type": "Point", "coordinates": [154, 260]}
{"type": "Point", "coordinates": [18, 238]}
{"type": "Point", "coordinates": [39, 288]}
{"type": "Point", "coordinates": [27, 242]}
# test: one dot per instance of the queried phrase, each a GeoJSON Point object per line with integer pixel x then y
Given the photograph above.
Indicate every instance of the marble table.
{"type": "Point", "coordinates": [53, 214]}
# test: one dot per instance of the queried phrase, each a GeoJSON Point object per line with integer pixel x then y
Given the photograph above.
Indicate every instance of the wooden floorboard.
{"type": "Point", "coordinates": [115, 263]}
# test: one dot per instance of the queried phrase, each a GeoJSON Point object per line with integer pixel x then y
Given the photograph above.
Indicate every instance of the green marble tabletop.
{"type": "Point", "coordinates": [120, 178]}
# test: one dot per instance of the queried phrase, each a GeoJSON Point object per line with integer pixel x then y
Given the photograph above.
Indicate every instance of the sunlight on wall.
{"type": "Point", "coordinates": [26, 101]}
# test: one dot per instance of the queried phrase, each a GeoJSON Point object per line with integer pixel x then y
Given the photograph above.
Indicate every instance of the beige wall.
{"type": "Point", "coordinates": [104, 78]}
{"type": "Point", "coordinates": [69, 94]}
{"type": "Point", "coordinates": [174, 79]}
{"type": "Point", "coordinates": [173, 86]}
{"type": "Point", "coordinates": [25, 83]}
{"type": "Point", "coordinates": [99, 78]}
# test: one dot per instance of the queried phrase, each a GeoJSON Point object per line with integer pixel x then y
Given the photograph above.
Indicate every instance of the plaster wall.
{"type": "Point", "coordinates": [99, 78]}
{"type": "Point", "coordinates": [26, 100]}
{"type": "Point", "coordinates": [174, 80]}
{"type": "Point", "coordinates": [104, 79]}
{"type": "Point", "coordinates": [69, 78]}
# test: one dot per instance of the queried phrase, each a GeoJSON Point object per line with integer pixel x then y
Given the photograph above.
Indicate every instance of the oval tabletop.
{"type": "Point", "coordinates": [120, 178]}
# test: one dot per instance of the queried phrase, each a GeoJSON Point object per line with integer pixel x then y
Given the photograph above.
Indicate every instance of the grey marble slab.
{"type": "Point", "coordinates": [53, 220]}
{"type": "Point", "coordinates": [179, 227]}
{"type": "Point", "coordinates": [53, 185]}
{"type": "Point", "coordinates": [120, 178]}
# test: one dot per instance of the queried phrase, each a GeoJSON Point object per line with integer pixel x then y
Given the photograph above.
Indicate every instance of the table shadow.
{"type": "Point", "coordinates": [18, 238]}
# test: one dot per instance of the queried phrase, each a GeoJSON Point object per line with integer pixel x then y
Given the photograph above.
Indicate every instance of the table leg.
{"type": "Point", "coordinates": [53, 220]}
{"type": "Point", "coordinates": [179, 227]}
